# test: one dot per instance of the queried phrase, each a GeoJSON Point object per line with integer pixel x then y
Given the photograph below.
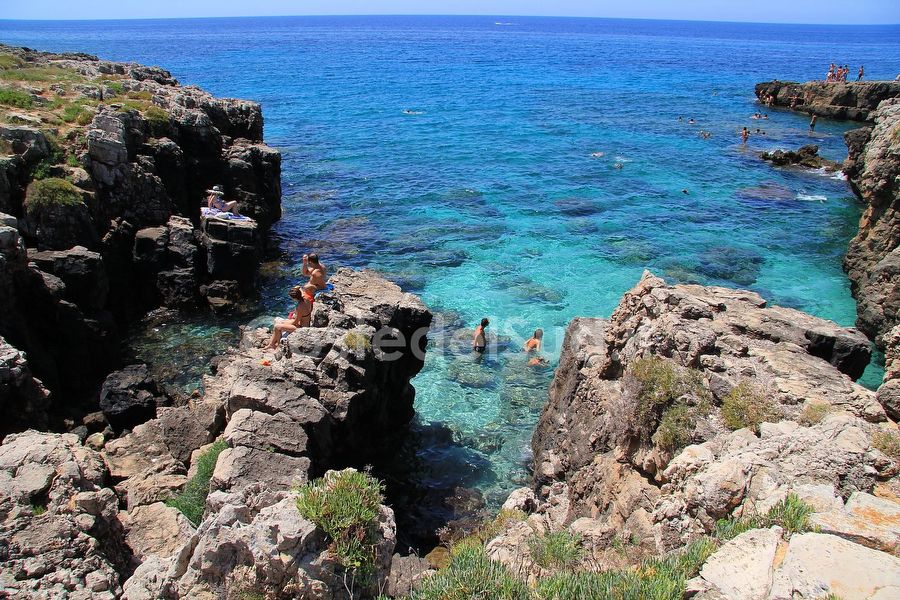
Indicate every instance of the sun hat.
{"type": "Point", "coordinates": [217, 190]}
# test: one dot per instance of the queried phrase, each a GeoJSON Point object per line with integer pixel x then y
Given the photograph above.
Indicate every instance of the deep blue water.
{"type": "Point", "coordinates": [490, 203]}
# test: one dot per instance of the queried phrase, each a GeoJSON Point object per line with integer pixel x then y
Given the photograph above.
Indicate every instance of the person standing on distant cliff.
{"type": "Point", "coordinates": [862, 71]}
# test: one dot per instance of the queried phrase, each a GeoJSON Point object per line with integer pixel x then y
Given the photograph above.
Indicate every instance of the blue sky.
{"type": "Point", "coordinates": [781, 11]}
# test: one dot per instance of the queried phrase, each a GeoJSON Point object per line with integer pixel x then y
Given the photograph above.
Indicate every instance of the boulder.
{"type": "Point", "coordinates": [156, 529]}
{"type": "Point", "coordinates": [130, 397]}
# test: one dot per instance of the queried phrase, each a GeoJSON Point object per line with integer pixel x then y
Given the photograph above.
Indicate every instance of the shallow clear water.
{"type": "Point", "coordinates": [489, 201]}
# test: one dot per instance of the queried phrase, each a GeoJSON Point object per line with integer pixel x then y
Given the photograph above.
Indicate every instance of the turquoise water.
{"type": "Point", "coordinates": [489, 203]}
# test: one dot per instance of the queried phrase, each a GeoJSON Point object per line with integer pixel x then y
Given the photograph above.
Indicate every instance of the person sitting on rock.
{"type": "Point", "coordinates": [301, 316]}
{"type": "Point", "coordinates": [216, 199]}
{"type": "Point", "coordinates": [315, 270]}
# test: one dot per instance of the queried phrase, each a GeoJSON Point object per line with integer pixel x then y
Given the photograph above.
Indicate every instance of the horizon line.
{"type": "Point", "coordinates": [528, 16]}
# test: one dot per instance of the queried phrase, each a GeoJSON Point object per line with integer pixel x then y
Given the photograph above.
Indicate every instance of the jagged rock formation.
{"type": "Point", "coordinates": [104, 178]}
{"type": "Point", "coordinates": [806, 156]}
{"type": "Point", "coordinates": [627, 453]}
{"type": "Point", "coordinates": [337, 397]}
{"type": "Point", "coordinates": [855, 101]}
{"type": "Point", "coordinates": [872, 261]}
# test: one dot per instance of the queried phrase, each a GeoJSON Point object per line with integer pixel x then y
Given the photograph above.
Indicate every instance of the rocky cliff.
{"type": "Point", "coordinates": [872, 261]}
{"type": "Point", "coordinates": [855, 101]}
{"type": "Point", "coordinates": [103, 170]}
{"type": "Point", "coordinates": [336, 395]}
{"type": "Point", "coordinates": [693, 405]}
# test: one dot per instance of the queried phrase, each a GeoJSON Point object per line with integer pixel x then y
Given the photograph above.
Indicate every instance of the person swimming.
{"type": "Point", "coordinates": [479, 340]}
{"type": "Point", "coordinates": [533, 347]}
{"type": "Point", "coordinates": [315, 270]}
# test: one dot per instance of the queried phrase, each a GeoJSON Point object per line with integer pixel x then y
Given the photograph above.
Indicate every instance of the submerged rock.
{"type": "Point", "coordinates": [807, 156]}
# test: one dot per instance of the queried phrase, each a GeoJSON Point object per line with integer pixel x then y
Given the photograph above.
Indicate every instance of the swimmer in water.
{"type": "Point", "coordinates": [618, 165]}
{"type": "Point", "coordinates": [745, 134]}
{"type": "Point", "coordinates": [597, 154]}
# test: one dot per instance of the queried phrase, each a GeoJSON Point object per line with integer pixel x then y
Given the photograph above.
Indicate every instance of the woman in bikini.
{"type": "Point", "coordinates": [533, 347]}
{"type": "Point", "coordinates": [301, 316]}
{"type": "Point", "coordinates": [216, 199]}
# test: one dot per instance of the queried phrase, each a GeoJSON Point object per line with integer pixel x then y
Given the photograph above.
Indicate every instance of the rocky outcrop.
{"type": "Point", "coordinates": [59, 524]}
{"type": "Point", "coordinates": [618, 463]}
{"type": "Point", "coordinates": [872, 261]}
{"type": "Point", "coordinates": [336, 394]}
{"type": "Point", "coordinates": [108, 204]}
{"type": "Point", "coordinates": [855, 101]}
{"type": "Point", "coordinates": [806, 156]}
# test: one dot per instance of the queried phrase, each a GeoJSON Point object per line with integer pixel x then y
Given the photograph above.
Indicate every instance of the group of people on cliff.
{"type": "Point", "coordinates": [839, 73]}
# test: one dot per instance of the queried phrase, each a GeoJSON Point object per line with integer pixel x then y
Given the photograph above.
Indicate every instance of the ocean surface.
{"type": "Point", "coordinates": [522, 169]}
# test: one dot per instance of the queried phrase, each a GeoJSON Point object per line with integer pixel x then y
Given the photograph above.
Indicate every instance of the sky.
{"type": "Point", "coordinates": [767, 11]}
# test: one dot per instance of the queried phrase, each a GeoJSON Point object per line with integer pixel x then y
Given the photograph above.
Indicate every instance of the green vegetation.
{"type": "Point", "coordinates": [72, 161]}
{"type": "Point", "coordinates": [669, 400]}
{"type": "Point", "coordinates": [115, 87]}
{"type": "Point", "coordinates": [15, 98]}
{"type": "Point", "coordinates": [157, 118]}
{"type": "Point", "coordinates": [140, 95]}
{"type": "Point", "coordinates": [10, 61]}
{"type": "Point", "coordinates": [76, 113]}
{"type": "Point", "coordinates": [357, 341]}
{"type": "Point", "coordinates": [558, 550]}
{"type": "Point", "coordinates": [791, 514]}
{"type": "Point", "coordinates": [38, 509]}
{"type": "Point", "coordinates": [888, 442]}
{"type": "Point", "coordinates": [813, 413]}
{"type": "Point", "coordinates": [48, 192]}
{"type": "Point", "coordinates": [746, 406]}
{"type": "Point", "coordinates": [471, 574]}
{"type": "Point", "coordinates": [655, 579]}
{"type": "Point", "coordinates": [345, 506]}
{"type": "Point", "coordinates": [192, 499]}
{"type": "Point", "coordinates": [49, 73]}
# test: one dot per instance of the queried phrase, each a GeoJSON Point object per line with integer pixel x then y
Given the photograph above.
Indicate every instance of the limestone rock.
{"type": "Point", "coordinates": [853, 100]}
{"type": "Point", "coordinates": [156, 529]}
{"type": "Point", "coordinates": [866, 520]}
{"type": "Point", "coordinates": [742, 568]}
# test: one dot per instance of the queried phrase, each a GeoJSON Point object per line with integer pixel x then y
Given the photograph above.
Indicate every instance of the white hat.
{"type": "Point", "coordinates": [217, 190]}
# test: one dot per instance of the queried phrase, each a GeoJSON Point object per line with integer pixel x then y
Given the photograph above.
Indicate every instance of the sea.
{"type": "Point", "coordinates": [524, 170]}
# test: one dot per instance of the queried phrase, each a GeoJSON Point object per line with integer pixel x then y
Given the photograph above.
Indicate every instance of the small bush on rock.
{"type": "Point", "coordinates": [15, 98]}
{"type": "Point", "coordinates": [48, 192]}
{"type": "Point", "coordinates": [192, 499]}
{"type": "Point", "coordinates": [357, 341]}
{"type": "Point", "coordinates": [814, 412]}
{"type": "Point", "coordinates": [471, 574]}
{"type": "Point", "coordinates": [345, 505]}
{"type": "Point", "coordinates": [557, 550]}
{"type": "Point", "coordinates": [791, 514]}
{"type": "Point", "coordinates": [157, 118]}
{"type": "Point", "coordinates": [888, 442]}
{"type": "Point", "coordinates": [746, 406]}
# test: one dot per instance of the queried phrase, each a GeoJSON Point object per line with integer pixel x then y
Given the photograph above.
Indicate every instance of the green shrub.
{"type": "Point", "coordinates": [38, 509]}
{"type": "Point", "coordinates": [72, 113]}
{"type": "Point", "coordinates": [669, 401]}
{"type": "Point", "coordinates": [888, 442]}
{"type": "Point", "coordinates": [791, 514]}
{"type": "Point", "coordinates": [471, 574]}
{"type": "Point", "coordinates": [140, 95]}
{"type": "Point", "coordinates": [51, 191]}
{"type": "Point", "coordinates": [157, 118]}
{"type": "Point", "coordinates": [345, 506]}
{"type": "Point", "coordinates": [10, 61]}
{"type": "Point", "coordinates": [814, 412]}
{"type": "Point", "coordinates": [72, 161]}
{"type": "Point", "coordinates": [192, 499]}
{"type": "Point", "coordinates": [655, 579]}
{"type": "Point", "coordinates": [558, 550]}
{"type": "Point", "coordinates": [40, 74]}
{"type": "Point", "coordinates": [115, 87]}
{"type": "Point", "coordinates": [746, 406]}
{"type": "Point", "coordinates": [15, 98]}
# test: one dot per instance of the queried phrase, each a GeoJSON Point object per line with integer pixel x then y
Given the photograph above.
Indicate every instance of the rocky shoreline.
{"type": "Point", "coordinates": [106, 167]}
{"type": "Point", "coordinates": [854, 101]}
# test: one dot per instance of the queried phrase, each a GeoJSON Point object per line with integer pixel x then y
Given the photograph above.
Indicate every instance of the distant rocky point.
{"type": "Point", "coordinates": [854, 101]}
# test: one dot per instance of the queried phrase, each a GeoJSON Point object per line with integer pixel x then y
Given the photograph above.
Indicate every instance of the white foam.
{"type": "Point", "coordinates": [812, 197]}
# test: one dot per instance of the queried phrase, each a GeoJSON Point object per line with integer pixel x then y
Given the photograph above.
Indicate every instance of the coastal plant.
{"type": "Point", "coordinates": [484, 531]}
{"type": "Point", "coordinates": [10, 61]}
{"type": "Point", "coordinates": [358, 342]}
{"type": "Point", "coordinates": [668, 401]}
{"type": "Point", "coordinates": [887, 442]}
{"type": "Point", "coordinates": [192, 499]}
{"type": "Point", "coordinates": [157, 118]}
{"type": "Point", "coordinates": [51, 191]}
{"type": "Point", "coordinates": [76, 112]}
{"type": "Point", "coordinates": [655, 579]}
{"type": "Point", "coordinates": [791, 514]}
{"type": "Point", "coordinates": [115, 87]}
{"type": "Point", "coordinates": [471, 574]}
{"type": "Point", "coordinates": [345, 505]}
{"type": "Point", "coordinates": [747, 406]}
{"type": "Point", "coordinates": [556, 550]}
{"type": "Point", "coordinates": [49, 73]}
{"type": "Point", "coordinates": [15, 98]}
{"type": "Point", "coordinates": [814, 412]}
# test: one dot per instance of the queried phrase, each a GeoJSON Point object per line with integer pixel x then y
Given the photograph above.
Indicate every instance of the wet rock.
{"type": "Point", "coordinates": [806, 156]}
